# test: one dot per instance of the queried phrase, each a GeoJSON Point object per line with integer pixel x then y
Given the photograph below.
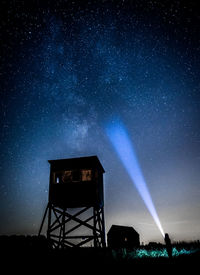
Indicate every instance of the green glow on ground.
{"type": "Point", "coordinates": [144, 253]}
{"type": "Point", "coordinates": [139, 253]}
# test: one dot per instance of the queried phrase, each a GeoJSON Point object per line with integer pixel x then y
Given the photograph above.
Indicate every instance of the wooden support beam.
{"type": "Point", "coordinates": [60, 221]}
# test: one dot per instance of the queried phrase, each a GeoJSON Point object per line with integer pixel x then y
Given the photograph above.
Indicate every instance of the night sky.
{"type": "Point", "coordinates": [69, 68]}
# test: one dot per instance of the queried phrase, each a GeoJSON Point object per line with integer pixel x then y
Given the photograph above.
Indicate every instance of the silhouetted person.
{"type": "Point", "coordinates": [168, 245]}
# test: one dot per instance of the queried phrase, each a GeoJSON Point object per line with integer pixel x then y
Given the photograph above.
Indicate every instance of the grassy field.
{"type": "Point", "coordinates": [32, 254]}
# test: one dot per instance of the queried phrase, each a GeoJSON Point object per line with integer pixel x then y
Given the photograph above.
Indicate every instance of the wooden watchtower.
{"type": "Point", "coordinates": [75, 209]}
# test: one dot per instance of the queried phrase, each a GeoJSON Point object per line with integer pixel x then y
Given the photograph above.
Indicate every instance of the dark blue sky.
{"type": "Point", "coordinates": [67, 68]}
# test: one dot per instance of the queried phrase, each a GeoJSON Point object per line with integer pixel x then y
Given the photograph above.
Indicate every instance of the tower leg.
{"type": "Point", "coordinates": [49, 224]}
{"type": "Point", "coordinates": [94, 229]}
{"type": "Point", "coordinates": [103, 239]}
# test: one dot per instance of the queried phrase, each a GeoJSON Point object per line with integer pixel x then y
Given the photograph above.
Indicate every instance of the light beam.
{"type": "Point", "coordinates": [121, 142]}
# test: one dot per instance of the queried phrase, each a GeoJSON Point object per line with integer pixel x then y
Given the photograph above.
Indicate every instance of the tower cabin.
{"type": "Point", "coordinates": [76, 182]}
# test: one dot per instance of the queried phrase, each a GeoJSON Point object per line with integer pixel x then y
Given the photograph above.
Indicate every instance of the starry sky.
{"type": "Point", "coordinates": [67, 68]}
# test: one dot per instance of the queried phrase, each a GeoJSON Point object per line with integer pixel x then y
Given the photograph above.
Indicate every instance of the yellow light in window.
{"type": "Point", "coordinates": [86, 175]}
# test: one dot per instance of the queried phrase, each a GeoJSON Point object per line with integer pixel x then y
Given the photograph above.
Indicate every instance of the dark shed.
{"type": "Point", "coordinates": [123, 237]}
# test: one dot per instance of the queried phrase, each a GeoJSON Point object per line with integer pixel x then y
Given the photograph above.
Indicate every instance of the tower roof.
{"type": "Point", "coordinates": [76, 163]}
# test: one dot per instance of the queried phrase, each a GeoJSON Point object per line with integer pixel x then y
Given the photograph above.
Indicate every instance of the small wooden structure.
{"type": "Point", "coordinates": [123, 237]}
{"type": "Point", "coordinates": [76, 203]}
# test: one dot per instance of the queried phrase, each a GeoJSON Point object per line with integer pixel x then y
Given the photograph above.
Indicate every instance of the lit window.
{"type": "Point", "coordinates": [67, 176]}
{"type": "Point", "coordinates": [57, 178]}
{"type": "Point", "coordinates": [86, 175]}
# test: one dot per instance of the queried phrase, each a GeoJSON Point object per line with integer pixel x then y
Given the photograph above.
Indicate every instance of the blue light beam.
{"type": "Point", "coordinates": [121, 142]}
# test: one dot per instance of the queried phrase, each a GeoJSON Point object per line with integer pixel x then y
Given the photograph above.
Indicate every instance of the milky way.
{"type": "Point", "coordinates": [66, 69]}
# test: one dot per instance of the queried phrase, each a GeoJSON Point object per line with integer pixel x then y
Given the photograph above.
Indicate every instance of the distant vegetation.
{"type": "Point", "coordinates": [22, 242]}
